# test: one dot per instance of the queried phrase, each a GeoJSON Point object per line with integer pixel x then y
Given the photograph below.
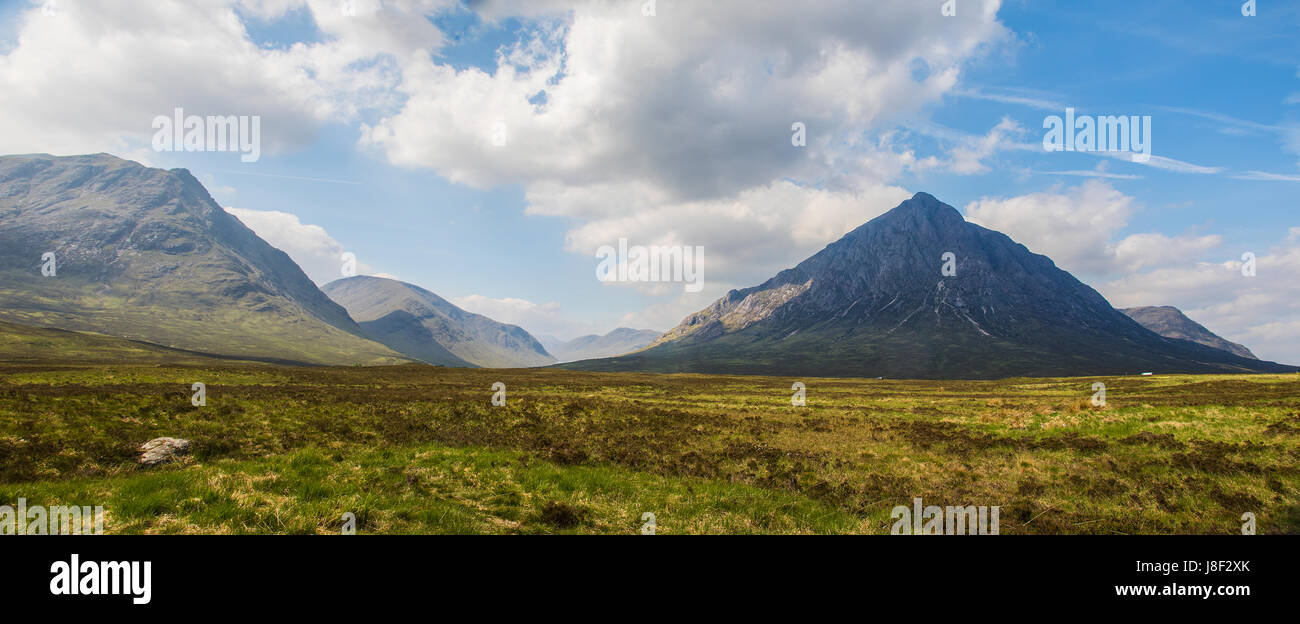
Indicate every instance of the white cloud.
{"type": "Point", "coordinates": [666, 314]}
{"type": "Point", "coordinates": [1092, 173]}
{"type": "Point", "coordinates": [1022, 97]}
{"type": "Point", "coordinates": [539, 319]}
{"type": "Point", "coordinates": [697, 100]}
{"type": "Point", "coordinates": [746, 239]}
{"type": "Point", "coordinates": [1268, 177]}
{"type": "Point", "coordinates": [676, 129]}
{"type": "Point", "coordinates": [93, 77]}
{"type": "Point", "coordinates": [310, 246]}
{"type": "Point", "coordinates": [968, 159]}
{"type": "Point", "coordinates": [1261, 312]}
{"type": "Point", "coordinates": [1077, 227]}
{"type": "Point", "coordinates": [1162, 162]}
{"type": "Point", "coordinates": [670, 128]}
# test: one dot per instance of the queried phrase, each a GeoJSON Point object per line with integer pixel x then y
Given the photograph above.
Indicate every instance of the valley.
{"type": "Point", "coordinates": [421, 449]}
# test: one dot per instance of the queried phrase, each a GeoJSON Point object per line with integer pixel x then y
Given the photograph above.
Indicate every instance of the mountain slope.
{"type": "Point", "coordinates": [1170, 322]}
{"type": "Point", "coordinates": [420, 324]}
{"type": "Point", "coordinates": [146, 254]}
{"type": "Point", "coordinates": [617, 342]}
{"type": "Point", "coordinates": [875, 303]}
{"type": "Point", "coordinates": [45, 345]}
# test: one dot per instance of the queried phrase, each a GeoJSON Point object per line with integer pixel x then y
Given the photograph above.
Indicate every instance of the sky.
{"type": "Point", "coordinates": [485, 150]}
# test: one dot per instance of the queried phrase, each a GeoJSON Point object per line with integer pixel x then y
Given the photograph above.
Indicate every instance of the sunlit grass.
{"type": "Point", "coordinates": [421, 449]}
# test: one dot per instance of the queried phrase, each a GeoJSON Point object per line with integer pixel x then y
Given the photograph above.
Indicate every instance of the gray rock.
{"type": "Point", "coordinates": [162, 450]}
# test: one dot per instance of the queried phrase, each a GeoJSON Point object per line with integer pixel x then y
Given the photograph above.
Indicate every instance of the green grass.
{"type": "Point", "coordinates": [427, 489]}
{"type": "Point", "coordinates": [24, 343]}
{"type": "Point", "coordinates": [418, 449]}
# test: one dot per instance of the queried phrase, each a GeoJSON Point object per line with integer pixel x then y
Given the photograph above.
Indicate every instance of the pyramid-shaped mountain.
{"type": "Point", "coordinates": [888, 300]}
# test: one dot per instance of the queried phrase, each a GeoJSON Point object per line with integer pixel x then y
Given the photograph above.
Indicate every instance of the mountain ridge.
{"type": "Point", "coordinates": [877, 302]}
{"type": "Point", "coordinates": [617, 342]}
{"type": "Point", "coordinates": [416, 322]}
{"type": "Point", "coordinates": [146, 254]}
{"type": "Point", "coordinates": [1170, 322]}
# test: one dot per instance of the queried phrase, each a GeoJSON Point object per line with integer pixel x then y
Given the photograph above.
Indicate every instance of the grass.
{"type": "Point", "coordinates": [419, 449]}
{"type": "Point", "coordinates": [429, 489]}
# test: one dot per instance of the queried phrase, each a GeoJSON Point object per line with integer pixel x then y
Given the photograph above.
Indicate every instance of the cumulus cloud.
{"type": "Point", "coordinates": [93, 76]}
{"type": "Point", "coordinates": [697, 100]}
{"type": "Point", "coordinates": [310, 246]}
{"type": "Point", "coordinates": [676, 129]}
{"type": "Point", "coordinates": [746, 239]}
{"type": "Point", "coordinates": [1077, 228]}
{"type": "Point", "coordinates": [1260, 311]}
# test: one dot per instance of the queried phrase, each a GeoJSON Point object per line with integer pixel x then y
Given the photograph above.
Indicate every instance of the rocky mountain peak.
{"type": "Point", "coordinates": [920, 292]}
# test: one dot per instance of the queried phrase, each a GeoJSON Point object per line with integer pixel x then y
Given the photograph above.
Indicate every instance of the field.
{"type": "Point", "coordinates": [420, 449]}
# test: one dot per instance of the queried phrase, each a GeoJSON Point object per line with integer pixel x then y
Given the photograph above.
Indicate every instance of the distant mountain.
{"type": "Point", "coordinates": [422, 325]}
{"type": "Point", "coordinates": [877, 303]}
{"type": "Point", "coordinates": [620, 341]}
{"type": "Point", "coordinates": [146, 254]}
{"type": "Point", "coordinates": [1170, 322]}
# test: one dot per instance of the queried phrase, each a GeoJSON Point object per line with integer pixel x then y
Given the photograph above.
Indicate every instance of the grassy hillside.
{"type": "Point", "coordinates": [23, 343]}
{"type": "Point", "coordinates": [148, 255]}
{"type": "Point", "coordinates": [421, 449]}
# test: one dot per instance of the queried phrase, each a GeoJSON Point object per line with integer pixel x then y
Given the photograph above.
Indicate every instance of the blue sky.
{"type": "Point", "coordinates": [674, 128]}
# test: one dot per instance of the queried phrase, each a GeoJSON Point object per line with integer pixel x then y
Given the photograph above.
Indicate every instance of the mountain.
{"type": "Point", "coordinates": [146, 254]}
{"type": "Point", "coordinates": [876, 303]}
{"type": "Point", "coordinates": [620, 341]}
{"type": "Point", "coordinates": [422, 325]}
{"type": "Point", "coordinates": [1170, 322]}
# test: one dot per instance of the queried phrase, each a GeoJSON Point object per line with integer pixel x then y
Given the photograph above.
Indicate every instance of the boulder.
{"type": "Point", "coordinates": [162, 450]}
